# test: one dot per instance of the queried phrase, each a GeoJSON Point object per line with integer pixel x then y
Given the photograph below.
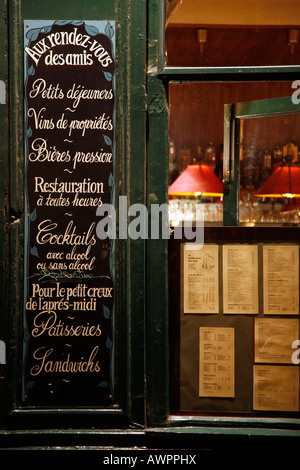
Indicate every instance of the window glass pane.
{"type": "Point", "coordinates": [269, 170]}
{"type": "Point", "coordinates": [232, 33]}
{"type": "Point", "coordinates": [234, 300]}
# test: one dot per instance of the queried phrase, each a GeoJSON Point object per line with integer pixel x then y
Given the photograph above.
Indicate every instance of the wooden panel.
{"type": "Point", "coordinates": [230, 47]}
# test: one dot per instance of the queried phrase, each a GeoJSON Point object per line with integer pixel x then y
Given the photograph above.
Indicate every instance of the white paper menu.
{"type": "Point", "coordinates": [281, 279]}
{"type": "Point", "coordinates": [201, 278]}
{"type": "Point", "coordinates": [216, 362]}
{"type": "Point", "coordinates": [240, 279]}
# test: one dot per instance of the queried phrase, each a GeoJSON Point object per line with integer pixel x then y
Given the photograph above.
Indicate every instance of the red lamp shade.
{"type": "Point", "coordinates": [284, 182]}
{"type": "Point", "coordinates": [196, 180]}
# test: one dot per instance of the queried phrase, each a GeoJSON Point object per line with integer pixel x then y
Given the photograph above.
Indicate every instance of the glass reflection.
{"type": "Point", "coordinates": [269, 170]}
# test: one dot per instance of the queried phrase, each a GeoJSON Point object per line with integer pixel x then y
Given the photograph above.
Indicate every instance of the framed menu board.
{"type": "Point", "coordinates": [244, 357]}
{"type": "Point", "coordinates": [69, 125]}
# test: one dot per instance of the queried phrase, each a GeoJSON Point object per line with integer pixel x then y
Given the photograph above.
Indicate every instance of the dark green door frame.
{"type": "Point", "coordinates": [158, 77]}
{"type": "Point", "coordinates": [142, 355]}
{"type": "Point", "coordinates": [4, 199]}
{"type": "Point", "coordinates": [129, 410]}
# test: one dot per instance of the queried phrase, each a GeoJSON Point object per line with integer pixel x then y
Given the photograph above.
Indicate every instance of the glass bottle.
{"type": "Point", "coordinates": [267, 160]}
{"type": "Point", "coordinates": [210, 155]}
{"type": "Point", "coordinates": [249, 167]}
{"type": "Point", "coordinates": [198, 157]}
{"type": "Point", "coordinates": [277, 157]}
{"type": "Point", "coordinates": [184, 159]}
{"type": "Point", "coordinates": [266, 166]}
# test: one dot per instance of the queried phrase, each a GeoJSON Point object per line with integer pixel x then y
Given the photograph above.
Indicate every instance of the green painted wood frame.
{"type": "Point", "coordinates": [158, 77]}
{"type": "Point", "coordinates": [4, 198]}
{"type": "Point", "coordinates": [129, 410]}
{"type": "Point", "coordinates": [142, 269]}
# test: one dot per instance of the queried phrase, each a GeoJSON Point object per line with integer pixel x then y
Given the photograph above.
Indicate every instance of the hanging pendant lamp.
{"type": "Point", "coordinates": [284, 182]}
{"type": "Point", "coordinates": [197, 180]}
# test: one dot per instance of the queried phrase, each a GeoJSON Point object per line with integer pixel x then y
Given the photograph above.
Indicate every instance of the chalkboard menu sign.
{"type": "Point", "coordinates": [69, 126]}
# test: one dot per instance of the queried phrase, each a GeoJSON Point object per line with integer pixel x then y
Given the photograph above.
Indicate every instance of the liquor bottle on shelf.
{"type": "Point", "coordinates": [184, 159]}
{"type": "Point", "coordinates": [290, 150]}
{"type": "Point", "coordinates": [198, 157]}
{"type": "Point", "coordinates": [210, 155]}
{"type": "Point", "coordinates": [267, 160]}
{"type": "Point", "coordinates": [249, 167]}
{"type": "Point", "coordinates": [277, 157]}
{"type": "Point", "coordinates": [266, 164]}
{"type": "Point", "coordinates": [258, 166]}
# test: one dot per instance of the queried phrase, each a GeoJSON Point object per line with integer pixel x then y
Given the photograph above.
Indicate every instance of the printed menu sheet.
{"type": "Point", "coordinates": [276, 388]}
{"type": "Point", "coordinates": [200, 278]}
{"type": "Point", "coordinates": [281, 279]}
{"type": "Point", "coordinates": [240, 279]}
{"type": "Point", "coordinates": [273, 339]}
{"type": "Point", "coordinates": [216, 364]}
